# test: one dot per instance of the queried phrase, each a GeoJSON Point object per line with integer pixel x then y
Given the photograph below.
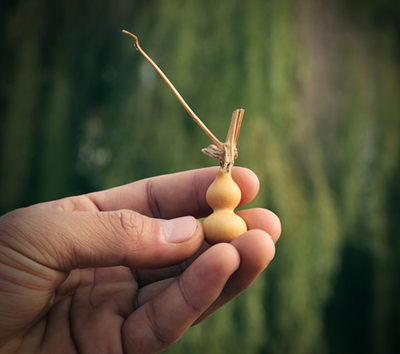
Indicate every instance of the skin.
{"type": "Point", "coordinates": [94, 273]}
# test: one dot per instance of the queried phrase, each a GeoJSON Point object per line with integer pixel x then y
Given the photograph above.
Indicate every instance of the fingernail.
{"type": "Point", "coordinates": [179, 229]}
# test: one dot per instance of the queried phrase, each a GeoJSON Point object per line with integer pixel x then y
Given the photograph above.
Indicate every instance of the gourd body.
{"type": "Point", "coordinates": [223, 196]}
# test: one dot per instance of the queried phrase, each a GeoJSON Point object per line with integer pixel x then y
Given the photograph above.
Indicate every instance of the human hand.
{"type": "Point", "coordinates": [106, 272]}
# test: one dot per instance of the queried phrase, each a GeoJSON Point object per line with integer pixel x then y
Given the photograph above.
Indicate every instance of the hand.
{"type": "Point", "coordinates": [122, 270]}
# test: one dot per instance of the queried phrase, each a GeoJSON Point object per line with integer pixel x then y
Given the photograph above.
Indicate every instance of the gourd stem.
{"type": "Point", "coordinates": [198, 121]}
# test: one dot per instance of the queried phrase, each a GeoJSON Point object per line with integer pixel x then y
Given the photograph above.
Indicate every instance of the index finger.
{"type": "Point", "coordinates": [173, 195]}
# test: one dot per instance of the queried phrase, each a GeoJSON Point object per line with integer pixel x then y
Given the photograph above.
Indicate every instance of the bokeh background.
{"type": "Point", "coordinates": [81, 110]}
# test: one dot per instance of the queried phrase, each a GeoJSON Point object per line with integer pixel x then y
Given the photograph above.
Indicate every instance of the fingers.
{"type": "Point", "coordinates": [256, 250]}
{"type": "Point", "coordinates": [69, 240]}
{"type": "Point", "coordinates": [257, 218]}
{"type": "Point", "coordinates": [161, 321]}
{"type": "Point", "coordinates": [173, 195]}
{"type": "Point", "coordinates": [262, 219]}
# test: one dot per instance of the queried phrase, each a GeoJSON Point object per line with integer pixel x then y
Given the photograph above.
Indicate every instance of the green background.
{"type": "Point", "coordinates": [81, 110]}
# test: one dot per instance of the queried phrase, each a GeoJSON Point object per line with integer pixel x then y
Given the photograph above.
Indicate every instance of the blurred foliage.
{"type": "Point", "coordinates": [81, 110]}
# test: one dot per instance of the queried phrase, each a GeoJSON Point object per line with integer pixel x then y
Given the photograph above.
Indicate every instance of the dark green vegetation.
{"type": "Point", "coordinates": [81, 110]}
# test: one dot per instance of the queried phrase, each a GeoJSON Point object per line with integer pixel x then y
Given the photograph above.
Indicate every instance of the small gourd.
{"type": "Point", "coordinates": [223, 195]}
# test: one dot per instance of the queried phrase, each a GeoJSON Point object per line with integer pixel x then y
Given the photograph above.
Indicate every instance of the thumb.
{"type": "Point", "coordinates": [68, 240]}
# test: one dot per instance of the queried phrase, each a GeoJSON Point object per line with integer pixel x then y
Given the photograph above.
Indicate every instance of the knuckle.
{"type": "Point", "coordinates": [78, 203]}
{"type": "Point", "coordinates": [65, 204]}
{"type": "Point", "coordinates": [161, 335]}
{"type": "Point", "coordinates": [188, 300]}
{"type": "Point", "coordinates": [127, 223]}
{"type": "Point", "coordinates": [153, 204]}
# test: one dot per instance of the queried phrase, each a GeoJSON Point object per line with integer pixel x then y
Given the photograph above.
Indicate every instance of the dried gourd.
{"type": "Point", "coordinates": [223, 195]}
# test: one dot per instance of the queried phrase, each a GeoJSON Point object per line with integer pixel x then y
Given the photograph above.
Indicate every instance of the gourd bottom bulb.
{"type": "Point", "coordinates": [223, 226]}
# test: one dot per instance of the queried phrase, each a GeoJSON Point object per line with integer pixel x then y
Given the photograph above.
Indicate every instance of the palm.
{"type": "Point", "coordinates": [91, 306]}
{"type": "Point", "coordinates": [90, 317]}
